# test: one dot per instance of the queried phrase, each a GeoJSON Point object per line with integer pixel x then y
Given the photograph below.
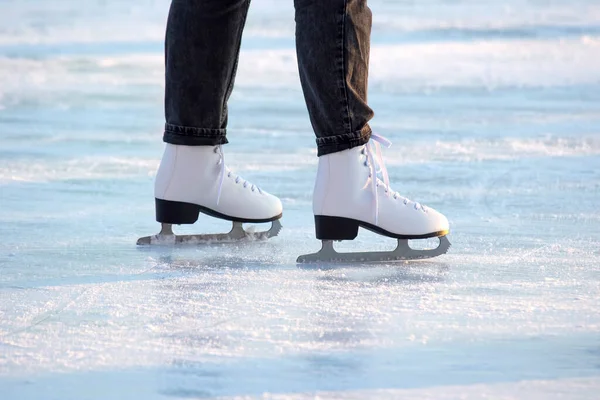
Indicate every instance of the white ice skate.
{"type": "Point", "coordinates": [194, 179]}
{"type": "Point", "coordinates": [348, 194]}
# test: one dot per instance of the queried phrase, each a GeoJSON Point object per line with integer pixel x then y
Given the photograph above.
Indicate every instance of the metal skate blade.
{"type": "Point", "coordinates": [166, 237]}
{"type": "Point", "coordinates": [402, 252]}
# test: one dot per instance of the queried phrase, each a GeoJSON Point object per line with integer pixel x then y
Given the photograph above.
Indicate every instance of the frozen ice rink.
{"type": "Point", "coordinates": [493, 108]}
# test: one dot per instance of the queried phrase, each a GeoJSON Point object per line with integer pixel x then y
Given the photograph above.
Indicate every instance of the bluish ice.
{"type": "Point", "coordinates": [493, 109]}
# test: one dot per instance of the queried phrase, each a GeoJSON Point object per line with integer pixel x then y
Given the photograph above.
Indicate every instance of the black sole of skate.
{"type": "Point", "coordinates": [330, 229]}
{"type": "Point", "coordinates": [170, 213]}
{"type": "Point", "coordinates": [179, 213]}
{"type": "Point", "coordinates": [340, 228]}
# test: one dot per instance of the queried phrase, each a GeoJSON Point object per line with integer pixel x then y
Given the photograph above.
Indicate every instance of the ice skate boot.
{"type": "Point", "coordinates": [348, 195]}
{"type": "Point", "coordinates": [193, 180]}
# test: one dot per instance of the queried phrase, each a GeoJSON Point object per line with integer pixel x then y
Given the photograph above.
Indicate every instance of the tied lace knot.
{"type": "Point", "coordinates": [225, 171]}
{"type": "Point", "coordinates": [374, 160]}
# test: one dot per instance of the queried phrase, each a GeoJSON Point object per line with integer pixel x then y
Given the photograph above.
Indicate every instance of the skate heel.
{"type": "Point", "coordinates": [176, 212]}
{"type": "Point", "coordinates": [335, 228]}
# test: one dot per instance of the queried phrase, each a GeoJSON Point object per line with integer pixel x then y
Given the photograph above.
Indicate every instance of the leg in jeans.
{"type": "Point", "coordinates": [201, 55]}
{"type": "Point", "coordinates": [202, 48]}
{"type": "Point", "coordinates": [333, 45]}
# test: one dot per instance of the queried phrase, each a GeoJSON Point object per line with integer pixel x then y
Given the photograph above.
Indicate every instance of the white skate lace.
{"type": "Point", "coordinates": [226, 171]}
{"type": "Point", "coordinates": [374, 160]}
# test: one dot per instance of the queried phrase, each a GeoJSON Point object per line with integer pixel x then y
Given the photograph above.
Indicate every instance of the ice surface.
{"type": "Point", "coordinates": [494, 111]}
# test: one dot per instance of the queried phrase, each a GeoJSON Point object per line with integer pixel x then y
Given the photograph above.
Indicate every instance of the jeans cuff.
{"type": "Point", "coordinates": [190, 136]}
{"type": "Point", "coordinates": [333, 144]}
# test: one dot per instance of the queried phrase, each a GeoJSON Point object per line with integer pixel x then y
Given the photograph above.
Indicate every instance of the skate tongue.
{"type": "Point", "coordinates": [376, 160]}
{"type": "Point", "coordinates": [378, 139]}
{"type": "Point", "coordinates": [225, 171]}
{"type": "Point", "coordinates": [219, 150]}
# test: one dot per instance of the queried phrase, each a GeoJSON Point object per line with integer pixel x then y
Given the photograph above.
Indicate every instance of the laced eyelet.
{"type": "Point", "coordinates": [245, 185]}
{"type": "Point", "coordinates": [237, 180]}
{"type": "Point", "coordinates": [253, 188]}
{"type": "Point", "coordinates": [216, 150]}
{"type": "Point", "coordinates": [366, 163]}
{"type": "Point", "coordinates": [405, 202]}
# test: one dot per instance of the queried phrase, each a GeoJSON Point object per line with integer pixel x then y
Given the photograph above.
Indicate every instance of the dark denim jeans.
{"type": "Point", "coordinates": [202, 48]}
